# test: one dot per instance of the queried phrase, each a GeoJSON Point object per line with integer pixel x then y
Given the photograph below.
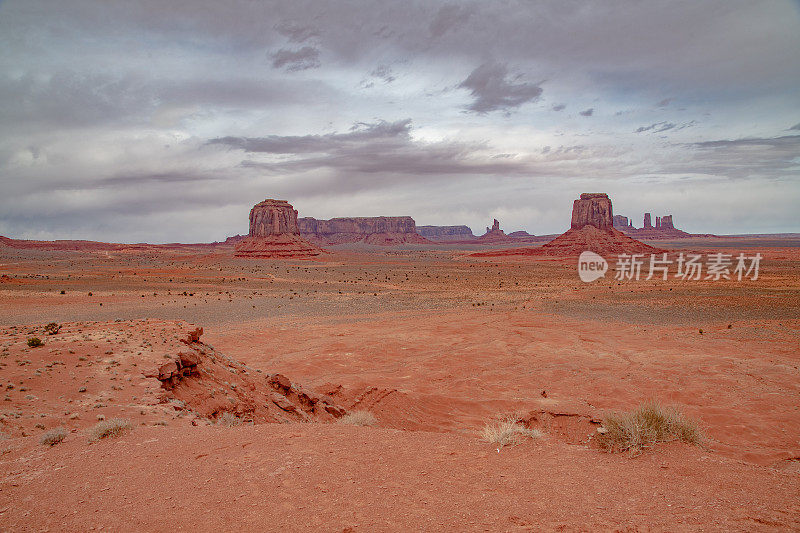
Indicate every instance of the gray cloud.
{"type": "Point", "coordinates": [297, 33]}
{"type": "Point", "coordinates": [375, 148]}
{"type": "Point", "coordinates": [489, 86]}
{"type": "Point", "coordinates": [448, 17]}
{"type": "Point", "coordinates": [587, 112]}
{"type": "Point", "coordinates": [795, 127]}
{"type": "Point", "coordinates": [559, 107]}
{"type": "Point", "coordinates": [658, 127]}
{"type": "Point", "coordinates": [305, 58]}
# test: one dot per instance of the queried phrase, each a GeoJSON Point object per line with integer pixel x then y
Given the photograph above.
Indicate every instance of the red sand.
{"type": "Point", "coordinates": [435, 344]}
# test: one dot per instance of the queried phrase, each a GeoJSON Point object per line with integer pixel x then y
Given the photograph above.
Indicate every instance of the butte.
{"type": "Point", "coordinates": [274, 233]}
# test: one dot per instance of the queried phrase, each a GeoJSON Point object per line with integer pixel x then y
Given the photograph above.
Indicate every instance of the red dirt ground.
{"type": "Point", "coordinates": [434, 344]}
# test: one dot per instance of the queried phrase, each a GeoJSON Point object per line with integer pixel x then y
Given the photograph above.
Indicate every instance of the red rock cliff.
{"type": "Point", "coordinates": [372, 230]}
{"type": "Point", "coordinates": [592, 209]}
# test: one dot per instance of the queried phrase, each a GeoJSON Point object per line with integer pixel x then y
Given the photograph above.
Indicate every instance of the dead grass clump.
{"type": "Point", "coordinates": [359, 418]}
{"type": "Point", "coordinates": [646, 426]}
{"type": "Point", "coordinates": [53, 436]}
{"type": "Point", "coordinates": [229, 420]}
{"type": "Point", "coordinates": [508, 431]}
{"type": "Point", "coordinates": [109, 428]}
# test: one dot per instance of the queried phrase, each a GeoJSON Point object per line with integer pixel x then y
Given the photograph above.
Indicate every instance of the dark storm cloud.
{"type": "Point", "coordinates": [492, 91]}
{"type": "Point", "coordinates": [305, 58]}
{"type": "Point", "coordinates": [587, 112]}
{"type": "Point", "coordinates": [380, 147]}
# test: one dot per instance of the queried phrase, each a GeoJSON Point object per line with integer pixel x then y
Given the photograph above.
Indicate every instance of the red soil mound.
{"type": "Point", "coordinates": [284, 246]}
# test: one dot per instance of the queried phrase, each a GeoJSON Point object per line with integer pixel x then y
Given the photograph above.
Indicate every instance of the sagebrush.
{"type": "Point", "coordinates": [646, 426]}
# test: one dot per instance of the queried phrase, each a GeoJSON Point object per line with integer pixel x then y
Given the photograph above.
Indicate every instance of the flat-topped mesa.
{"type": "Point", "coordinates": [382, 231]}
{"type": "Point", "coordinates": [274, 233]}
{"type": "Point", "coordinates": [446, 233]}
{"type": "Point", "coordinates": [273, 217]}
{"type": "Point", "coordinates": [592, 209]}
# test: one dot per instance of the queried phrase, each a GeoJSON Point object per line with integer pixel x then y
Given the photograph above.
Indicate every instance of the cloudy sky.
{"type": "Point", "coordinates": [165, 121]}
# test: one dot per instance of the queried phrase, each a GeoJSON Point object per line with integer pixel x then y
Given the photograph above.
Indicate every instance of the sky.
{"type": "Point", "coordinates": [166, 121]}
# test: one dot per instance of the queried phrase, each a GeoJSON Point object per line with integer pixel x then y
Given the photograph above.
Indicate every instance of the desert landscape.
{"type": "Point", "coordinates": [377, 266]}
{"type": "Point", "coordinates": [350, 389]}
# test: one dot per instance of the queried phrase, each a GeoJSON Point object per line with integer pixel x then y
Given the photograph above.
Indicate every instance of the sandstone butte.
{"type": "Point", "coordinates": [382, 231]}
{"type": "Point", "coordinates": [591, 228]}
{"type": "Point", "coordinates": [664, 227]}
{"type": "Point", "coordinates": [274, 233]}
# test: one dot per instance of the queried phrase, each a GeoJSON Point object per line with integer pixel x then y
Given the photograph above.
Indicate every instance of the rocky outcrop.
{"type": "Point", "coordinates": [621, 223]}
{"type": "Point", "coordinates": [494, 235]}
{"type": "Point", "coordinates": [382, 231]}
{"type": "Point", "coordinates": [274, 233]}
{"type": "Point", "coordinates": [209, 385]}
{"type": "Point", "coordinates": [446, 233]}
{"type": "Point", "coordinates": [591, 229]}
{"type": "Point", "coordinates": [663, 229]}
{"type": "Point", "coordinates": [592, 209]}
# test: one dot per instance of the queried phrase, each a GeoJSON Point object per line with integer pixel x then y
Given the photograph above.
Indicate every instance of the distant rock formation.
{"type": "Point", "coordinates": [382, 231]}
{"type": "Point", "coordinates": [622, 223]}
{"type": "Point", "coordinates": [664, 228]}
{"type": "Point", "coordinates": [446, 233]}
{"type": "Point", "coordinates": [591, 229]}
{"type": "Point", "coordinates": [521, 235]}
{"type": "Point", "coordinates": [274, 233]}
{"type": "Point", "coordinates": [494, 235]}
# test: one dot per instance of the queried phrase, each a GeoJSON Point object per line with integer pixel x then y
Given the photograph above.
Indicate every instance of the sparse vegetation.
{"type": "Point", "coordinates": [35, 342]}
{"type": "Point", "coordinates": [52, 328]}
{"type": "Point", "coordinates": [229, 420]}
{"type": "Point", "coordinates": [507, 430]}
{"type": "Point", "coordinates": [109, 428]}
{"type": "Point", "coordinates": [646, 426]}
{"type": "Point", "coordinates": [53, 436]}
{"type": "Point", "coordinates": [359, 418]}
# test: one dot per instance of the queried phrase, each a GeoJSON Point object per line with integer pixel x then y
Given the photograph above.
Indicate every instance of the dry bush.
{"type": "Point", "coordinates": [109, 428]}
{"type": "Point", "coordinates": [53, 436]}
{"type": "Point", "coordinates": [359, 418]}
{"type": "Point", "coordinates": [643, 428]}
{"type": "Point", "coordinates": [229, 420]}
{"type": "Point", "coordinates": [35, 342]}
{"type": "Point", "coordinates": [507, 431]}
{"type": "Point", "coordinates": [52, 328]}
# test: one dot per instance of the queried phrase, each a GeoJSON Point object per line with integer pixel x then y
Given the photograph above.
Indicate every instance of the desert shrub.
{"type": "Point", "coordinates": [228, 420]}
{"type": "Point", "coordinates": [507, 430]}
{"type": "Point", "coordinates": [644, 427]}
{"type": "Point", "coordinates": [359, 418]}
{"type": "Point", "coordinates": [52, 328]}
{"type": "Point", "coordinates": [35, 342]}
{"type": "Point", "coordinates": [53, 436]}
{"type": "Point", "coordinates": [109, 428]}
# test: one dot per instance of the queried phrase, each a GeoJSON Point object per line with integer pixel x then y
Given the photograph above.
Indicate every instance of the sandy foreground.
{"type": "Point", "coordinates": [434, 343]}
